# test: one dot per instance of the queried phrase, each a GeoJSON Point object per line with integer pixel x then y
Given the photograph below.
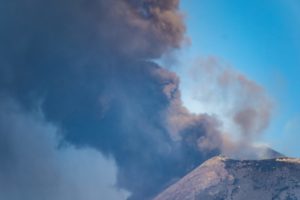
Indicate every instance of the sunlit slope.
{"type": "Point", "coordinates": [224, 178]}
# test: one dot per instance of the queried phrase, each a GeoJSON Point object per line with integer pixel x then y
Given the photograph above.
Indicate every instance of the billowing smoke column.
{"type": "Point", "coordinates": [86, 64]}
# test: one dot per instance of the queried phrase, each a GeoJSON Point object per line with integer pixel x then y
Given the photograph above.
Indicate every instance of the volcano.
{"type": "Point", "coordinates": [230, 179]}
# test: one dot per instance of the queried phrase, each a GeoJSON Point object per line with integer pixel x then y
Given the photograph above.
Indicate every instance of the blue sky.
{"type": "Point", "coordinates": [261, 39]}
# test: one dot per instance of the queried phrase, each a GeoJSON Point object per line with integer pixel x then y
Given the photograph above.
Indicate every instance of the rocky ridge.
{"type": "Point", "coordinates": [229, 179]}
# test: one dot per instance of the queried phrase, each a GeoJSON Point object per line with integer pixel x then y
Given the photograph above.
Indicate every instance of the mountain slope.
{"type": "Point", "coordinates": [228, 179]}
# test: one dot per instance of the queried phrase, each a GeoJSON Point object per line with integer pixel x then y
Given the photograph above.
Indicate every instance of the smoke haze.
{"type": "Point", "coordinates": [242, 105]}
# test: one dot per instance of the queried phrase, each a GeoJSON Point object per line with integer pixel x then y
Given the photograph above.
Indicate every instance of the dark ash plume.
{"type": "Point", "coordinates": [86, 62]}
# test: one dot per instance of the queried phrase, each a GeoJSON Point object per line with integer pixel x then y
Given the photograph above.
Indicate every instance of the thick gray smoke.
{"type": "Point", "coordinates": [86, 63]}
{"type": "Point", "coordinates": [33, 167]}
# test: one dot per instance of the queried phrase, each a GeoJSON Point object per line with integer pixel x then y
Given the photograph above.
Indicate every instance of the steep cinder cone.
{"type": "Point", "coordinates": [221, 178]}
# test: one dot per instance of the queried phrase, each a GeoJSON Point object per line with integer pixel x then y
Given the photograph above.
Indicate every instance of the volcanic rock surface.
{"type": "Point", "coordinates": [221, 178]}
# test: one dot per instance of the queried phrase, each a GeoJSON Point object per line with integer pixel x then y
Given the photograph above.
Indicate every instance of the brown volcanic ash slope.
{"type": "Point", "coordinates": [227, 179]}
